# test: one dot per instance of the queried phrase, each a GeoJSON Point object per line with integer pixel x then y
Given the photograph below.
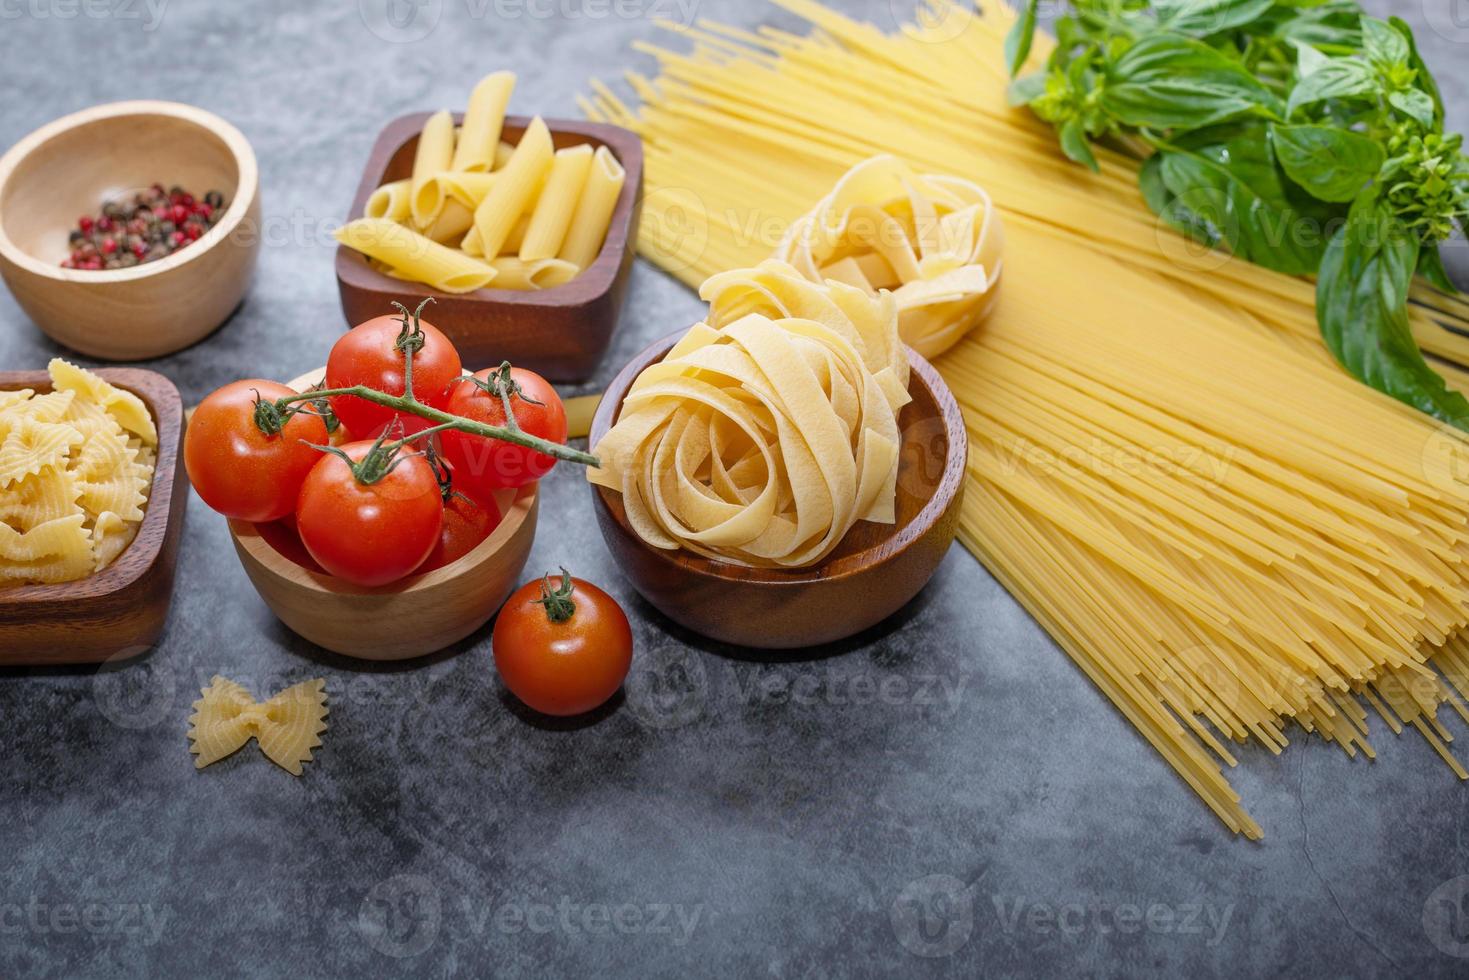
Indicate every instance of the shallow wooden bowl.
{"type": "Point", "coordinates": [73, 166]}
{"type": "Point", "coordinates": [560, 333]}
{"type": "Point", "coordinates": [120, 611]}
{"type": "Point", "coordinates": [411, 618]}
{"type": "Point", "coordinates": [872, 574]}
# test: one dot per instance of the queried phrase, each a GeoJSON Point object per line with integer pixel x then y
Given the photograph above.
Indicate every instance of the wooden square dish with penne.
{"type": "Point", "coordinates": [519, 228]}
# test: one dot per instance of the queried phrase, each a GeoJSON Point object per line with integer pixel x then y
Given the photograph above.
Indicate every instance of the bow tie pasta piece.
{"type": "Point", "coordinates": [287, 727]}
{"type": "Point", "coordinates": [935, 241]}
{"type": "Point", "coordinates": [766, 433]}
{"type": "Point", "coordinates": [75, 467]}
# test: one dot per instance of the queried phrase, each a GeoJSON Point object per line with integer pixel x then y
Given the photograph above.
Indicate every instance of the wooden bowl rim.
{"type": "Point", "coordinates": [245, 191]}
{"type": "Point", "coordinates": [955, 460]}
{"type": "Point", "coordinates": [247, 535]}
{"type": "Point", "coordinates": [167, 407]}
{"type": "Point", "coordinates": [593, 281]}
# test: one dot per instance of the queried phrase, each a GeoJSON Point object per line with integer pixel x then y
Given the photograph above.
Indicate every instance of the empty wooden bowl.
{"type": "Point", "coordinates": [560, 333]}
{"type": "Point", "coordinates": [410, 618]}
{"type": "Point", "coordinates": [73, 166]}
{"type": "Point", "coordinates": [872, 574]}
{"type": "Point", "coordinates": [120, 611]}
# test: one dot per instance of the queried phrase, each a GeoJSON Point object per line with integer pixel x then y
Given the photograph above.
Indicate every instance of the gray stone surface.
{"type": "Point", "coordinates": [732, 814]}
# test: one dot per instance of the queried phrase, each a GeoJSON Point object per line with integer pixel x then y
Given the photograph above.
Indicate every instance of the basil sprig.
{"type": "Point", "coordinates": [1301, 135]}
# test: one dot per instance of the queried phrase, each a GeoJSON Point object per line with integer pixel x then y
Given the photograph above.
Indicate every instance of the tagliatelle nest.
{"type": "Point", "coordinates": [768, 431]}
{"type": "Point", "coordinates": [935, 241]}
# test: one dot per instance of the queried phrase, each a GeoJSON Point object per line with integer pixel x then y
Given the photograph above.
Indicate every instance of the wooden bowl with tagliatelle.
{"type": "Point", "coordinates": [875, 570]}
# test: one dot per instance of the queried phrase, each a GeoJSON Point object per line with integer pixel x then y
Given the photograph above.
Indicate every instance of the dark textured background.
{"type": "Point", "coordinates": [949, 785]}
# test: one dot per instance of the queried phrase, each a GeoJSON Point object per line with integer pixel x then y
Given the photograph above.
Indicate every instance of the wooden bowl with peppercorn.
{"type": "Point", "coordinates": [129, 231]}
{"type": "Point", "coordinates": [409, 618]}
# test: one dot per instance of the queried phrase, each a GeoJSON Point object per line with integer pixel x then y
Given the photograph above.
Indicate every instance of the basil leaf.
{"type": "Point", "coordinates": [1328, 163]}
{"type": "Point", "coordinates": [1308, 59]}
{"type": "Point", "coordinates": [1168, 207]}
{"type": "Point", "coordinates": [1416, 105]}
{"type": "Point", "coordinates": [1074, 143]}
{"type": "Point", "coordinates": [1382, 44]}
{"type": "Point", "coordinates": [1431, 267]}
{"type": "Point", "coordinates": [1204, 17]}
{"type": "Point", "coordinates": [1026, 89]}
{"type": "Point", "coordinates": [1425, 77]}
{"type": "Point", "coordinates": [1020, 38]}
{"type": "Point", "coordinates": [1168, 82]}
{"type": "Point", "coordinates": [1339, 78]}
{"type": "Point", "coordinates": [1231, 182]}
{"type": "Point", "coordinates": [1337, 23]}
{"type": "Point", "coordinates": [1361, 307]}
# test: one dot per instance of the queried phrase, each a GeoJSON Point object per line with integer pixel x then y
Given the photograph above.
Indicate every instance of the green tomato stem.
{"type": "Point", "coordinates": [445, 420]}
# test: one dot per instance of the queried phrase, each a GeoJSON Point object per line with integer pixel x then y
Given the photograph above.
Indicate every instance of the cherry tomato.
{"type": "Point", "coordinates": [286, 540]}
{"type": "Point", "coordinates": [239, 470]}
{"type": "Point", "coordinates": [562, 647]}
{"type": "Point", "coordinates": [481, 464]}
{"type": "Point", "coordinates": [368, 354]}
{"type": "Point", "coordinates": [370, 533]}
{"type": "Point", "coordinates": [466, 523]}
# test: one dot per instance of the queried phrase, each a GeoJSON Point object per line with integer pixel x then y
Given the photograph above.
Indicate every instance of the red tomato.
{"type": "Point", "coordinates": [368, 354]}
{"type": "Point", "coordinates": [563, 667]}
{"type": "Point", "coordinates": [466, 523]}
{"type": "Point", "coordinates": [239, 470]}
{"type": "Point", "coordinates": [370, 533]}
{"type": "Point", "coordinates": [285, 539]}
{"type": "Point", "coordinates": [482, 465]}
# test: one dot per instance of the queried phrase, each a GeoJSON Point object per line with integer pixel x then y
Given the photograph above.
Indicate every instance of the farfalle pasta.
{"type": "Point", "coordinates": [769, 430]}
{"type": "Point", "coordinates": [935, 241]}
{"type": "Point", "coordinates": [75, 467]}
{"type": "Point", "coordinates": [287, 727]}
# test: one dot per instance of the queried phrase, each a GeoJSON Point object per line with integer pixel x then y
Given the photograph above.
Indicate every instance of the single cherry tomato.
{"type": "Point", "coordinates": [467, 522]}
{"type": "Point", "coordinates": [482, 464]}
{"type": "Point", "coordinates": [564, 648]}
{"type": "Point", "coordinates": [236, 467]}
{"type": "Point", "coordinates": [286, 540]}
{"type": "Point", "coordinates": [370, 354]}
{"type": "Point", "coordinates": [370, 533]}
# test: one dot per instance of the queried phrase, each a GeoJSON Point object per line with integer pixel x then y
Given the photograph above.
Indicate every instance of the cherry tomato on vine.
{"type": "Point", "coordinates": [370, 523]}
{"type": "Point", "coordinates": [371, 354]}
{"type": "Point", "coordinates": [481, 464]}
{"type": "Point", "coordinates": [237, 468]}
{"type": "Point", "coordinates": [467, 522]}
{"type": "Point", "coordinates": [562, 647]}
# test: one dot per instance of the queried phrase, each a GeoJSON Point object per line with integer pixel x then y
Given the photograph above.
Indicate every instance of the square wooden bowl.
{"type": "Point", "coordinates": [120, 611]}
{"type": "Point", "coordinates": [560, 333]}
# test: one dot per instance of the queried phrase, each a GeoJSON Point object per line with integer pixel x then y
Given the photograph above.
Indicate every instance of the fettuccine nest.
{"type": "Point", "coordinates": [771, 429]}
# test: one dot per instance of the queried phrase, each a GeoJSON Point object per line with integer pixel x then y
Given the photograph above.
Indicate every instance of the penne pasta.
{"type": "Point", "coordinates": [389, 201]}
{"type": "Point", "coordinates": [466, 188]}
{"type": "Point", "coordinates": [552, 215]}
{"type": "Point", "coordinates": [414, 256]}
{"type": "Point", "coordinates": [479, 138]}
{"type": "Point", "coordinates": [434, 153]}
{"type": "Point", "coordinates": [511, 193]}
{"type": "Point", "coordinates": [516, 236]}
{"type": "Point", "coordinates": [503, 153]}
{"type": "Point", "coordinates": [593, 209]}
{"type": "Point", "coordinates": [516, 273]}
{"type": "Point", "coordinates": [453, 221]}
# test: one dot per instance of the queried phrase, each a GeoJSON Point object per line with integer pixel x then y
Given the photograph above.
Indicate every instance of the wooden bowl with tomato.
{"type": "Point", "coordinates": [363, 526]}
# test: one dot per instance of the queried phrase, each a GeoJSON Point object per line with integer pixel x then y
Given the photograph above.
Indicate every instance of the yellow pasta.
{"type": "Point", "coordinates": [556, 202]}
{"type": "Point", "coordinates": [514, 187]}
{"type": "Point", "coordinates": [434, 153]}
{"type": "Point", "coordinates": [593, 209]}
{"type": "Point", "coordinates": [935, 240]}
{"type": "Point", "coordinates": [414, 256]}
{"type": "Point", "coordinates": [762, 436]}
{"type": "Point", "coordinates": [516, 273]}
{"type": "Point", "coordinates": [466, 188]}
{"type": "Point", "coordinates": [453, 221]}
{"type": "Point", "coordinates": [287, 727]}
{"type": "Point", "coordinates": [390, 201]}
{"type": "Point", "coordinates": [479, 138]}
{"type": "Point", "coordinates": [1225, 532]}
